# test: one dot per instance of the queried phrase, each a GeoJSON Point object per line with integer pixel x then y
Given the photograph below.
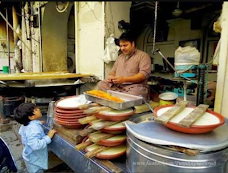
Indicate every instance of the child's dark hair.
{"type": "Point", "coordinates": [23, 111]}
{"type": "Point", "coordinates": [127, 36]}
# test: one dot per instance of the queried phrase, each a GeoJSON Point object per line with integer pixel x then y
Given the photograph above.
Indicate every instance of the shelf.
{"type": "Point", "coordinates": [41, 76]}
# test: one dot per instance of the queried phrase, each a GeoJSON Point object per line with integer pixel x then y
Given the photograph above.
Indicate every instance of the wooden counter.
{"type": "Point", "coordinates": [63, 145]}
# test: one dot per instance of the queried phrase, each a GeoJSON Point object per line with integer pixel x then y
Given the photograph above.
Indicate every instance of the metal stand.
{"type": "Point", "coordinates": [185, 90]}
{"type": "Point", "coordinates": [201, 84]}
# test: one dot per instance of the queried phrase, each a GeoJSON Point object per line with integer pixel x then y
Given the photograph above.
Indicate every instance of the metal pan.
{"type": "Point", "coordinates": [129, 100]}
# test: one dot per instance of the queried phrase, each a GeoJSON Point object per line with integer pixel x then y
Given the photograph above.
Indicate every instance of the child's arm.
{"type": "Point", "coordinates": [42, 122]}
{"type": "Point", "coordinates": [51, 133]}
{"type": "Point", "coordinates": [36, 141]}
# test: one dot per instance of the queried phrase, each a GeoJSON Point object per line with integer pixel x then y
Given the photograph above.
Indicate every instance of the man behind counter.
{"type": "Point", "coordinates": [130, 71]}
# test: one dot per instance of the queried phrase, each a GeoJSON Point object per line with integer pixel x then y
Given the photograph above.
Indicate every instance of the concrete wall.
{"type": "Point", "coordinates": [114, 12]}
{"type": "Point", "coordinates": [95, 21]}
{"type": "Point", "coordinates": [54, 38]}
{"type": "Point", "coordinates": [89, 21]}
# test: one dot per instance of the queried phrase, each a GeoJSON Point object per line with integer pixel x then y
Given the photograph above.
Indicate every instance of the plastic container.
{"type": "Point", "coordinates": [5, 69]}
{"type": "Point", "coordinates": [167, 98]}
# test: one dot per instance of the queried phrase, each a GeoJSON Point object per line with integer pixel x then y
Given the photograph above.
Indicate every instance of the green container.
{"type": "Point", "coordinates": [5, 69]}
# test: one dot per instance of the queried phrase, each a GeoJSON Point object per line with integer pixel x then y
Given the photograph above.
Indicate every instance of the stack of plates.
{"type": "Point", "coordinates": [67, 112]}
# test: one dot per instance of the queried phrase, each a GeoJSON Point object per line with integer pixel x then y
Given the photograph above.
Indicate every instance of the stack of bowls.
{"type": "Point", "coordinates": [67, 112]}
{"type": "Point", "coordinates": [115, 115]}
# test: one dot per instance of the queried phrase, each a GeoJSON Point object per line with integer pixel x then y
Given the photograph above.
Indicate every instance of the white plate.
{"type": "Point", "coordinates": [72, 102]}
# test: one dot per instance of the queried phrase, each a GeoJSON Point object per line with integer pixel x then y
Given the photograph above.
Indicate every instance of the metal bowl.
{"type": "Point", "coordinates": [168, 96]}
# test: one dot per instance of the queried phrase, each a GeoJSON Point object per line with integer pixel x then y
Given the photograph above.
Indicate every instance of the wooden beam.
{"type": "Point", "coordinates": [221, 97]}
{"type": "Point", "coordinates": [41, 75]}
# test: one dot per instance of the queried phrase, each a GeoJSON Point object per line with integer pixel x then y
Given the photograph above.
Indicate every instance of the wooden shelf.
{"type": "Point", "coordinates": [41, 76]}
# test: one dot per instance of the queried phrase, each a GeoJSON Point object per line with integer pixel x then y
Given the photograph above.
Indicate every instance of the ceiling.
{"type": "Point", "coordinates": [142, 13]}
{"type": "Point", "coordinates": [165, 9]}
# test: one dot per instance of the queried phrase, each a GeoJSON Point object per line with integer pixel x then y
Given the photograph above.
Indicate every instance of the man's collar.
{"type": "Point", "coordinates": [129, 56]}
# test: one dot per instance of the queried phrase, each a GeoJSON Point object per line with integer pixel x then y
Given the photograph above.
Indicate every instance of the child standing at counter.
{"type": "Point", "coordinates": [35, 141]}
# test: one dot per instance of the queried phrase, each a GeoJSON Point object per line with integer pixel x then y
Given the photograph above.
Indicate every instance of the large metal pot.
{"type": "Point", "coordinates": [147, 157]}
{"type": "Point", "coordinates": [144, 157]}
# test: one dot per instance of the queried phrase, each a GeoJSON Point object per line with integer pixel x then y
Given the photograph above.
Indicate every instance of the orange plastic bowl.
{"type": "Point", "coordinates": [62, 111]}
{"type": "Point", "coordinates": [194, 129]}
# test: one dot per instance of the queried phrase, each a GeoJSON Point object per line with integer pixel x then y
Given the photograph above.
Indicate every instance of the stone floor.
{"type": "Point", "coordinates": [12, 138]}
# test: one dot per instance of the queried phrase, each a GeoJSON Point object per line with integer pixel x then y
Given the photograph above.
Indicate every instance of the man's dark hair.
{"type": "Point", "coordinates": [23, 111]}
{"type": "Point", "coordinates": [127, 36]}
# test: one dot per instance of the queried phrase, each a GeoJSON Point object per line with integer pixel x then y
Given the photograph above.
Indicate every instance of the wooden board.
{"type": "Point", "coordinates": [190, 152]}
{"type": "Point", "coordinates": [98, 136]}
{"type": "Point", "coordinates": [101, 124]}
{"type": "Point", "coordinates": [176, 109]}
{"type": "Point", "coordinates": [85, 132]}
{"type": "Point", "coordinates": [41, 75]}
{"type": "Point", "coordinates": [144, 108]}
{"type": "Point", "coordinates": [71, 135]}
{"type": "Point", "coordinates": [193, 116]}
{"type": "Point", "coordinates": [87, 119]}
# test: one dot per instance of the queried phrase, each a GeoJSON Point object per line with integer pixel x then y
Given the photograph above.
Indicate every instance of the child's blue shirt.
{"type": "Point", "coordinates": [35, 145]}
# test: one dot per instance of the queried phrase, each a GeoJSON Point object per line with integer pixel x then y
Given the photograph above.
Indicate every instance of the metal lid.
{"type": "Point", "coordinates": [155, 133]}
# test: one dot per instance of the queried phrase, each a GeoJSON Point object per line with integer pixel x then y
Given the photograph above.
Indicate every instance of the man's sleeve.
{"type": "Point", "coordinates": [145, 65]}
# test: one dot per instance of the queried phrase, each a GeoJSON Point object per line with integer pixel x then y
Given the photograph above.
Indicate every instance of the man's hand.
{"type": "Point", "coordinates": [118, 80]}
{"type": "Point", "coordinates": [110, 78]}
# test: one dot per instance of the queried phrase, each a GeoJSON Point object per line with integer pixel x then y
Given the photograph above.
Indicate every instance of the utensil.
{"type": "Point", "coordinates": [151, 109]}
{"type": "Point", "coordinates": [50, 114]}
